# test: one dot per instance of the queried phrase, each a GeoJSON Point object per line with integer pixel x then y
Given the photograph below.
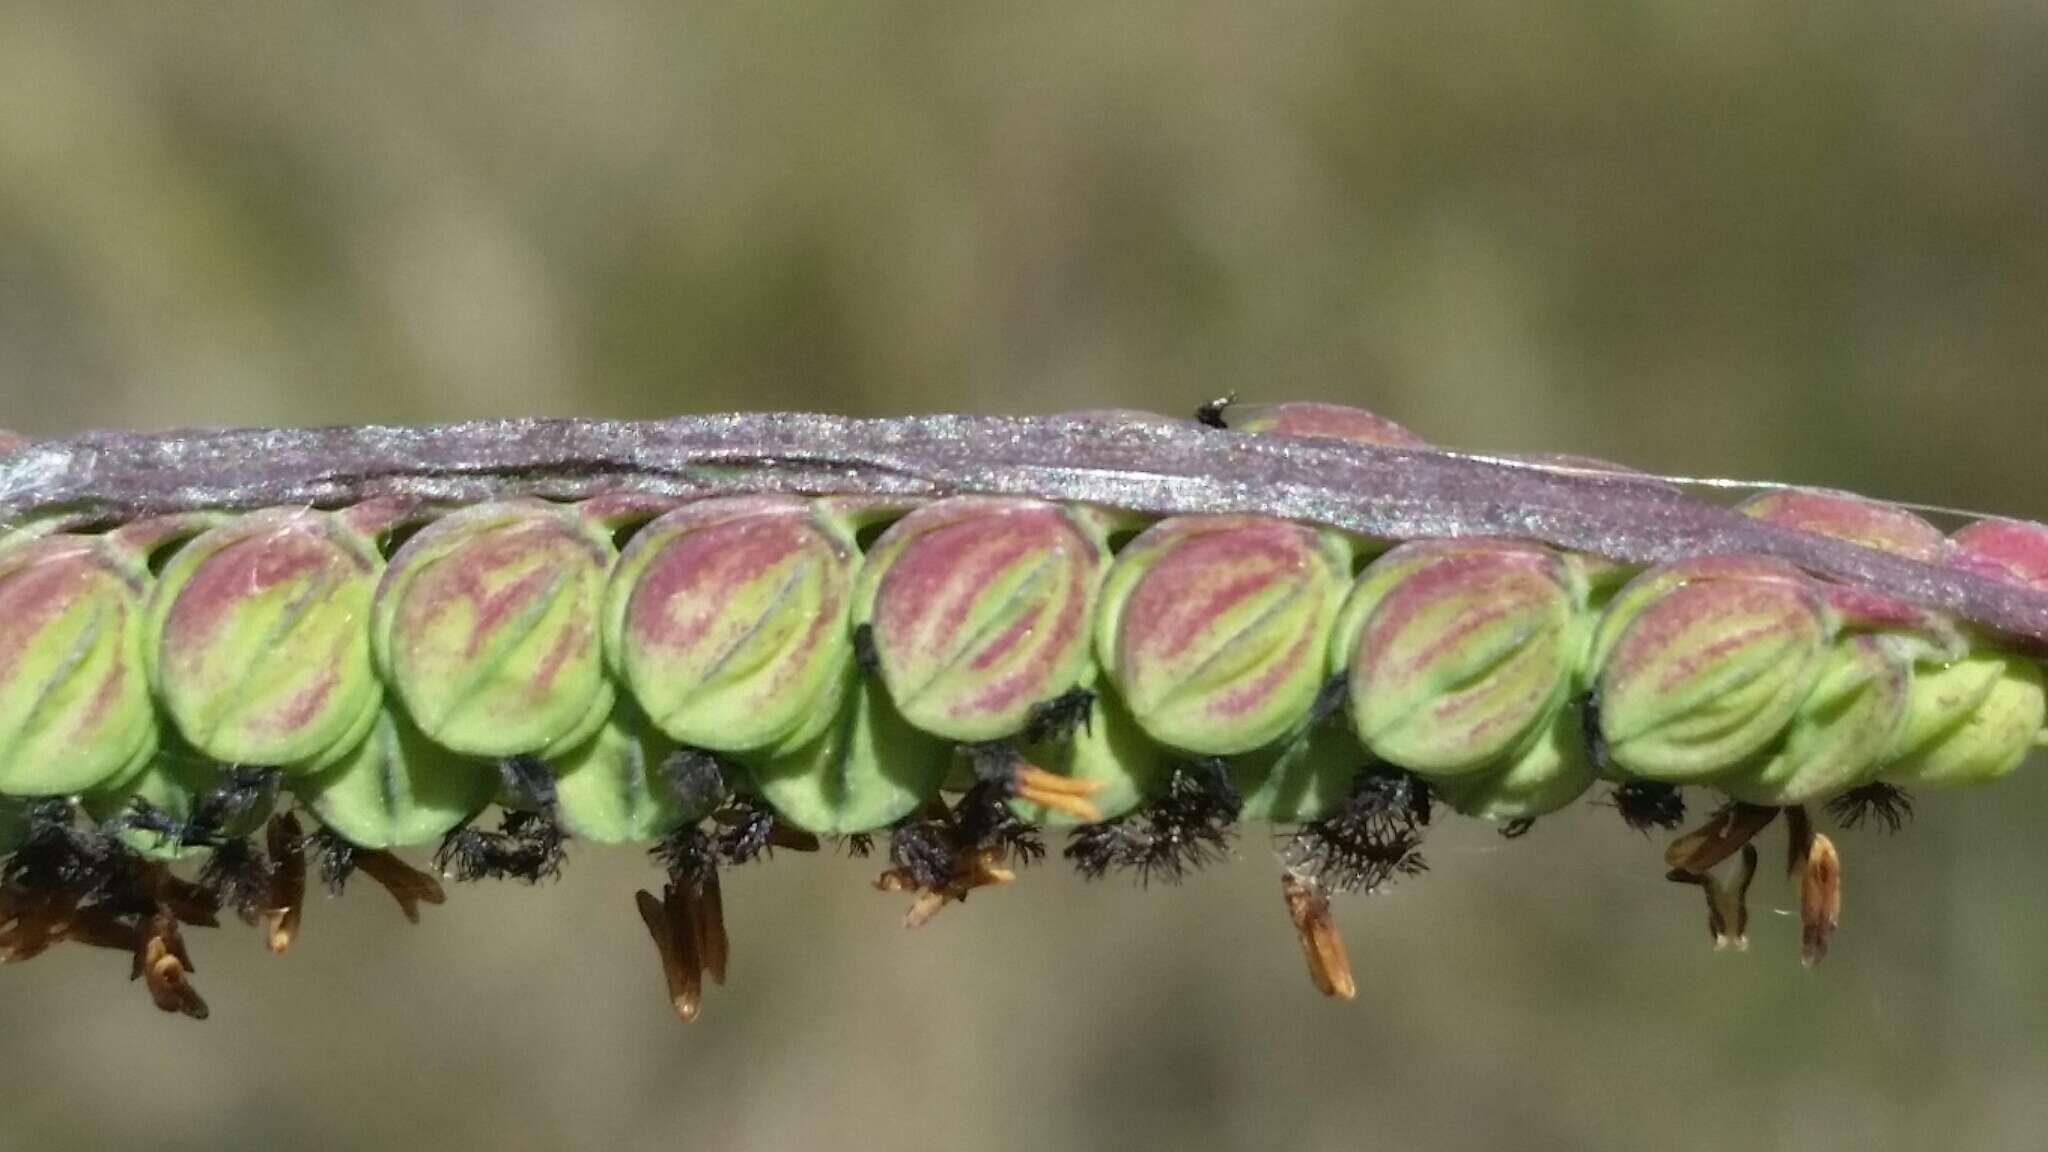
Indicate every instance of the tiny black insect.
{"type": "Point", "coordinates": [1647, 804]}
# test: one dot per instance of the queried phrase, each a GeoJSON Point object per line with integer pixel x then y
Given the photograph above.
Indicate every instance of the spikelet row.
{"type": "Point", "coordinates": [619, 667]}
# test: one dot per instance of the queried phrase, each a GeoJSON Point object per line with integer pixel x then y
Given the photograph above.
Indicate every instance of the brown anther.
{"type": "Point", "coordinates": [407, 885]}
{"type": "Point", "coordinates": [792, 838]}
{"type": "Point", "coordinates": [705, 905]}
{"type": "Point", "coordinates": [103, 928]}
{"type": "Point", "coordinates": [1820, 898]}
{"type": "Point", "coordinates": [285, 902]}
{"type": "Point", "coordinates": [679, 962]}
{"type": "Point", "coordinates": [166, 968]}
{"type": "Point", "coordinates": [1697, 852]}
{"type": "Point", "coordinates": [1059, 793]}
{"type": "Point", "coordinates": [1727, 902]}
{"type": "Point", "coordinates": [33, 925]}
{"type": "Point", "coordinates": [1329, 965]}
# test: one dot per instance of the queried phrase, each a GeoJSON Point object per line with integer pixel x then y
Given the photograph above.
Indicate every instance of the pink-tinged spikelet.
{"type": "Point", "coordinates": [262, 652]}
{"type": "Point", "coordinates": [486, 627]}
{"type": "Point", "coordinates": [1457, 651]}
{"type": "Point", "coordinates": [74, 703]}
{"type": "Point", "coordinates": [1215, 628]}
{"type": "Point", "coordinates": [726, 619]}
{"type": "Point", "coordinates": [980, 611]}
{"type": "Point", "coordinates": [1700, 664]}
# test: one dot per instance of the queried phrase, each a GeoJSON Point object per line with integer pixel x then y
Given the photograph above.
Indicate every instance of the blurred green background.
{"type": "Point", "coordinates": [1803, 241]}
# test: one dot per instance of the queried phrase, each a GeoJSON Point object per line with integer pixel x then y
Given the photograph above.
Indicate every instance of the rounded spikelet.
{"type": "Point", "coordinates": [1330, 421]}
{"type": "Point", "coordinates": [1856, 519]}
{"type": "Point", "coordinates": [397, 788]}
{"type": "Point", "coordinates": [727, 620]}
{"type": "Point", "coordinates": [260, 634]}
{"type": "Point", "coordinates": [867, 770]}
{"type": "Point", "coordinates": [980, 610]}
{"type": "Point", "coordinates": [1838, 735]}
{"type": "Point", "coordinates": [610, 789]}
{"type": "Point", "coordinates": [486, 626]}
{"type": "Point", "coordinates": [1215, 628]}
{"type": "Point", "coordinates": [2015, 550]}
{"type": "Point", "coordinates": [1700, 665]}
{"type": "Point", "coordinates": [1968, 722]}
{"type": "Point", "coordinates": [1975, 719]}
{"type": "Point", "coordinates": [74, 698]}
{"type": "Point", "coordinates": [1457, 652]}
{"type": "Point", "coordinates": [1302, 777]}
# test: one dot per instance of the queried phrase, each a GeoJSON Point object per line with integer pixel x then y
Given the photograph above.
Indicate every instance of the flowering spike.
{"type": "Point", "coordinates": [1143, 628]}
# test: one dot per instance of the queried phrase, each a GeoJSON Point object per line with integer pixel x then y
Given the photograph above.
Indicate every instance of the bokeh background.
{"type": "Point", "coordinates": [1804, 241]}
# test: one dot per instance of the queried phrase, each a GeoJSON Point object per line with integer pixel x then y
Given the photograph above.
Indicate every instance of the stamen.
{"type": "Point", "coordinates": [705, 906]}
{"type": "Point", "coordinates": [166, 968]}
{"type": "Point", "coordinates": [1820, 899]}
{"type": "Point", "coordinates": [407, 885]}
{"type": "Point", "coordinates": [1727, 903]}
{"type": "Point", "coordinates": [677, 945]}
{"type": "Point", "coordinates": [1329, 965]}
{"type": "Point", "coordinates": [1696, 852]}
{"type": "Point", "coordinates": [1059, 793]}
{"type": "Point", "coordinates": [285, 903]}
{"type": "Point", "coordinates": [980, 868]}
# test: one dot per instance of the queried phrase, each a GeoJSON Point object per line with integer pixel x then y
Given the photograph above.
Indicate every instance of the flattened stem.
{"type": "Point", "coordinates": [1154, 467]}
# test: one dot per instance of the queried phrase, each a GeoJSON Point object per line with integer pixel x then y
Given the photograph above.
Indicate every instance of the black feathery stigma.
{"type": "Point", "coordinates": [1876, 803]}
{"type": "Point", "coordinates": [60, 858]}
{"type": "Point", "coordinates": [528, 847]}
{"type": "Point", "coordinates": [1373, 838]}
{"type": "Point", "coordinates": [335, 856]}
{"type": "Point", "coordinates": [688, 856]}
{"type": "Point", "coordinates": [922, 848]}
{"type": "Point", "coordinates": [747, 831]}
{"type": "Point", "coordinates": [238, 876]}
{"type": "Point", "coordinates": [1187, 828]}
{"type": "Point", "coordinates": [1056, 720]}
